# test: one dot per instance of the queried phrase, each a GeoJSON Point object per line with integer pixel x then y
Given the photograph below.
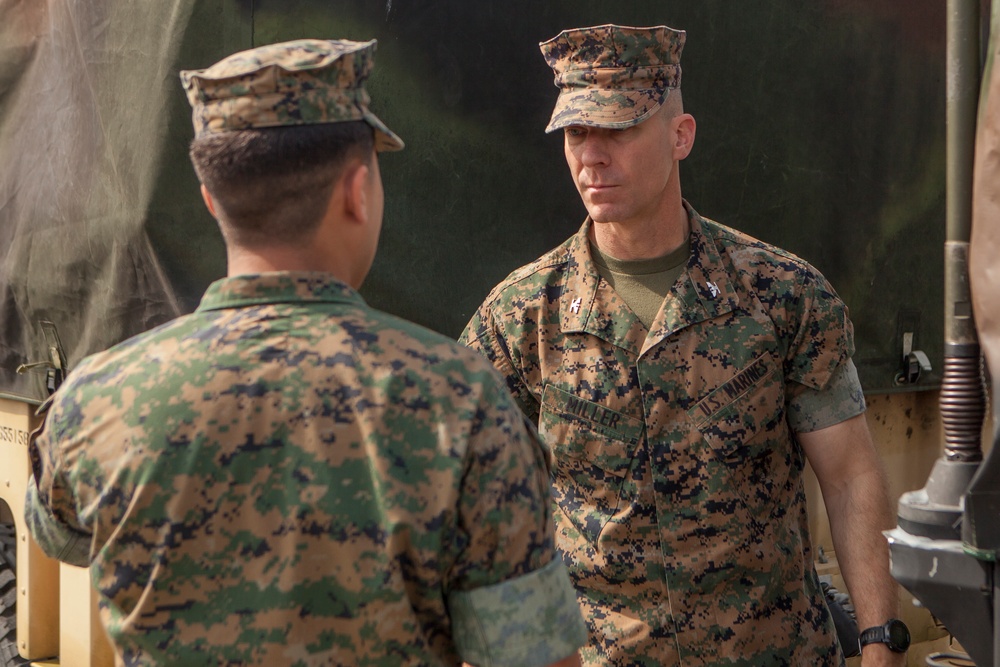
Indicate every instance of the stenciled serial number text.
{"type": "Point", "coordinates": [14, 435]}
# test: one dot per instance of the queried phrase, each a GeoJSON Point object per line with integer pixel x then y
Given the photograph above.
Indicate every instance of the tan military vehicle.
{"type": "Point", "coordinates": [839, 130]}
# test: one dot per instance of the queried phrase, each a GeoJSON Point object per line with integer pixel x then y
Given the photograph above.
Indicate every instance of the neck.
{"type": "Point", "coordinates": [243, 260]}
{"type": "Point", "coordinates": [642, 239]}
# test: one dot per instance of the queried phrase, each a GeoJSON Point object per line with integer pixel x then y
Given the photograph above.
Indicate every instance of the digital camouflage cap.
{"type": "Point", "coordinates": [612, 76]}
{"type": "Point", "coordinates": [303, 82]}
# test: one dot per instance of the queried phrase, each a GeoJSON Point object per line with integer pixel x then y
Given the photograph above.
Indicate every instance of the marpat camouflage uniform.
{"type": "Point", "coordinates": [681, 510]}
{"type": "Point", "coordinates": [290, 477]}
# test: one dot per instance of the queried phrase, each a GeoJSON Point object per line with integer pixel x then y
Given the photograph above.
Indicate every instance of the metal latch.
{"type": "Point", "coordinates": [915, 362]}
{"type": "Point", "coordinates": [55, 365]}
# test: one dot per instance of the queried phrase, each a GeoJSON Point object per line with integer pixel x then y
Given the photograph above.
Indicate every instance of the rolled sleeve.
{"type": "Point", "coordinates": [49, 509]}
{"type": "Point", "coordinates": [841, 399]}
{"type": "Point", "coordinates": [57, 540]}
{"type": "Point", "coordinates": [530, 621]}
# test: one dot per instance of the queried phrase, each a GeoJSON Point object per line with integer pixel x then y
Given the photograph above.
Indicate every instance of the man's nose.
{"type": "Point", "coordinates": [593, 151]}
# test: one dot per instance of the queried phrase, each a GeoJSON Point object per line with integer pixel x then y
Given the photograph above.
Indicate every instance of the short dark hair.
{"type": "Point", "coordinates": [273, 184]}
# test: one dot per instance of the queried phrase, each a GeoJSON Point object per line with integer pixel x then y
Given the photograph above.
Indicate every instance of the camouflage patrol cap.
{"type": "Point", "coordinates": [612, 76]}
{"type": "Point", "coordinates": [303, 82]}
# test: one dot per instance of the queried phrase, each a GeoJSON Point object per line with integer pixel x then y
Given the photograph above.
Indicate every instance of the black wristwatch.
{"type": "Point", "coordinates": [893, 634]}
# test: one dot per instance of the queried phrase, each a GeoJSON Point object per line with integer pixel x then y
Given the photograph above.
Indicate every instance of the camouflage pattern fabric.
{"type": "Point", "coordinates": [302, 82]}
{"type": "Point", "coordinates": [289, 477]}
{"type": "Point", "coordinates": [681, 508]}
{"type": "Point", "coordinates": [612, 76]}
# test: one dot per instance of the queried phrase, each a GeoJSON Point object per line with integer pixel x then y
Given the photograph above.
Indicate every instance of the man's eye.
{"type": "Point", "coordinates": [574, 131]}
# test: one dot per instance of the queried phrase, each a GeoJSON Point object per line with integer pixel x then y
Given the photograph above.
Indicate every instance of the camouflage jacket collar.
{"type": "Point", "coordinates": [279, 287]}
{"type": "Point", "coordinates": [704, 291]}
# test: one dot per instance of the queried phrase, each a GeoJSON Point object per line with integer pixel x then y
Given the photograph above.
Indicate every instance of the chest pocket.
{"type": "Point", "coordinates": [743, 423]}
{"type": "Point", "coordinates": [595, 449]}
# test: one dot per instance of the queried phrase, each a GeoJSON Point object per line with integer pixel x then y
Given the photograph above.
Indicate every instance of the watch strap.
{"type": "Point", "coordinates": [893, 633]}
{"type": "Point", "coordinates": [873, 635]}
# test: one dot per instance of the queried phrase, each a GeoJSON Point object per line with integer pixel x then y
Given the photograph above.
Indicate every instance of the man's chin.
{"type": "Point", "coordinates": [600, 214]}
{"type": "Point", "coordinates": [601, 217]}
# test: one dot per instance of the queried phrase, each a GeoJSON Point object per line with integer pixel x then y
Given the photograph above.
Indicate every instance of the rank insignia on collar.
{"type": "Point", "coordinates": [574, 305]}
{"type": "Point", "coordinates": [713, 289]}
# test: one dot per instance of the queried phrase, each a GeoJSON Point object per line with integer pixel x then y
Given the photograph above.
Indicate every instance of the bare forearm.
{"type": "Point", "coordinates": [854, 489]}
{"type": "Point", "coordinates": [858, 515]}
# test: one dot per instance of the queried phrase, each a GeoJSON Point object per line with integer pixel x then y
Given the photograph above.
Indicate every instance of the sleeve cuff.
{"type": "Point", "coordinates": [56, 540]}
{"type": "Point", "coordinates": [841, 399]}
{"type": "Point", "coordinates": [531, 621]}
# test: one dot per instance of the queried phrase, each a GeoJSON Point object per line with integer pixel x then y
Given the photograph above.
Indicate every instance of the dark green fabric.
{"type": "Point", "coordinates": [642, 283]}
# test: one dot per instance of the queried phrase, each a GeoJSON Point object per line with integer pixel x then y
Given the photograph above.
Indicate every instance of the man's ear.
{"type": "Point", "coordinates": [206, 197]}
{"type": "Point", "coordinates": [684, 131]}
{"type": "Point", "coordinates": [356, 192]}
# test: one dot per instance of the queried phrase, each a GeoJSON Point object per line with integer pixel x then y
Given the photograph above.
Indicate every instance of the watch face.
{"type": "Point", "coordinates": [899, 635]}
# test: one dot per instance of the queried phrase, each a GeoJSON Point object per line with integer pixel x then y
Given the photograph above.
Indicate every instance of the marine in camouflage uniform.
{"type": "Point", "coordinates": [290, 477]}
{"type": "Point", "coordinates": [678, 469]}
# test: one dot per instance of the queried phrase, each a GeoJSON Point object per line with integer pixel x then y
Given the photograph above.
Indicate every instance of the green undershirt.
{"type": "Point", "coordinates": [642, 284]}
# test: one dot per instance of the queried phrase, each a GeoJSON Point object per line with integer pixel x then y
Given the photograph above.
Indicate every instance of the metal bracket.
{"type": "Point", "coordinates": [55, 365]}
{"type": "Point", "coordinates": [915, 362]}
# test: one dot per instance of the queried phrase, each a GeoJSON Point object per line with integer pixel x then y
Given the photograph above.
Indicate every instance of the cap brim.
{"type": "Point", "coordinates": [611, 109]}
{"type": "Point", "coordinates": [385, 139]}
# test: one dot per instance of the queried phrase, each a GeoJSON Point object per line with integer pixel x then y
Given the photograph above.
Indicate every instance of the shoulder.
{"type": "Point", "coordinates": [750, 252]}
{"type": "Point", "coordinates": [807, 313]}
{"type": "Point", "coordinates": [137, 352]}
{"type": "Point", "coordinates": [109, 381]}
{"type": "Point", "coordinates": [418, 344]}
{"type": "Point", "coordinates": [533, 279]}
{"type": "Point", "coordinates": [766, 267]}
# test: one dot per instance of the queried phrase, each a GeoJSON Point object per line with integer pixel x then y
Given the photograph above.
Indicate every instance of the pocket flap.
{"type": "Point", "coordinates": [585, 429]}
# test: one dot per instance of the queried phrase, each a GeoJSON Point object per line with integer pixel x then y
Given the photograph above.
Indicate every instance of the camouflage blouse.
{"type": "Point", "coordinates": [290, 477]}
{"type": "Point", "coordinates": [681, 507]}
